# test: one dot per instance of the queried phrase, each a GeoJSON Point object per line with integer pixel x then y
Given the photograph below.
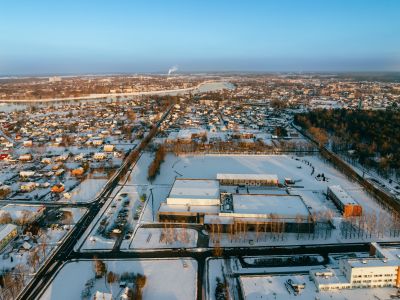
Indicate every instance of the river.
{"type": "Point", "coordinates": [202, 88]}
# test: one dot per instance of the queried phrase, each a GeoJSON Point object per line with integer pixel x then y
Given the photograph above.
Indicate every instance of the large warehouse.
{"type": "Point", "coordinates": [200, 201]}
{"type": "Point", "coordinates": [190, 200]}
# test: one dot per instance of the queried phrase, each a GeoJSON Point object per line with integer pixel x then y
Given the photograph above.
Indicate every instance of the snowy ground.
{"type": "Point", "coordinates": [156, 238]}
{"type": "Point", "coordinates": [77, 212]}
{"type": "Point", "coordinates": [215, 269]}
{"type": "Point", "coordinates": [170, 279]}
{"type": "Point", "coordinates": [87, 190]}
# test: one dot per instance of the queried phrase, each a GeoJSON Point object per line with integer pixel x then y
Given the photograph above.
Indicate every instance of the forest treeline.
{"type": "Point", "coordinates": [374, 135]}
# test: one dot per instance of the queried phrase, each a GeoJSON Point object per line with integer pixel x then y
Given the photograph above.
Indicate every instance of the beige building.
{"type": "Point", "coordinates": [382, 269]}
{"type": "Point", "coordinates": [7, 233]}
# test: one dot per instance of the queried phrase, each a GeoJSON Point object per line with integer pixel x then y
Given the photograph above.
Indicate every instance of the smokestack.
{"type": "Point", "coordinates": [172, 70]}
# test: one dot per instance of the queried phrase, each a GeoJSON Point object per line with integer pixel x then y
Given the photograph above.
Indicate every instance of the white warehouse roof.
{"type": "Point", "coordinates": [262, 206]}
{"type": "Point", "coordinates": [194, 192]}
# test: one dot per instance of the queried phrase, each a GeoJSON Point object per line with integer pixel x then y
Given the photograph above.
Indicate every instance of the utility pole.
{"type": "Point", "coordinates": [152, 203]}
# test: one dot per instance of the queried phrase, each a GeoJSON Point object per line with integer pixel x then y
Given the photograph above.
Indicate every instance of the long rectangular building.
{"type": "Point", "coordinates": [248, 179]}
{"type": "Point", "coordinates": [348, 206]}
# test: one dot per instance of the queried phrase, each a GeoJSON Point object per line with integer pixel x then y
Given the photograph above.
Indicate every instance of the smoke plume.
{"type": "Point", "coordinates": [172, 70]}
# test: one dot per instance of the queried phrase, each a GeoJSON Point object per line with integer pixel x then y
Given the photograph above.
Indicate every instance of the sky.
{"type": "Point", "coordinates": [122, 36]}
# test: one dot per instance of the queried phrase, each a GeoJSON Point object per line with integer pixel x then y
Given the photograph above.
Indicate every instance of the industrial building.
{"type": "Point", "coordinates": [382, 269]}
{"type": "Point", "coordinates": [347, 205]}
{"type": "Point", "coordinates": [201, 201]}
{"type": "Point", "coordinates": [190, 200]}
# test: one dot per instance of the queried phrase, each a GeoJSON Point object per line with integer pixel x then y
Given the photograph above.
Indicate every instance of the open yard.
{"type": "Point", "coordinates": [170, 279]}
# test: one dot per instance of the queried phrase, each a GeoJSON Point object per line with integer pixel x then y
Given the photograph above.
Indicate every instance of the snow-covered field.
{"type": "Point", "coordinates": [169, 279]}
{"type": "Point", "coordinates": [87, 190]}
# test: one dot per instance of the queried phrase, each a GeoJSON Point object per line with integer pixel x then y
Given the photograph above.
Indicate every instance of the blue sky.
{"type": "Point", "coordinates": [76, 36]}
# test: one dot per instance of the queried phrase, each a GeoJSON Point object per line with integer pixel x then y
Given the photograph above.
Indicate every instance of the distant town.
{"type": "Point", "coordinates": [188, 186]}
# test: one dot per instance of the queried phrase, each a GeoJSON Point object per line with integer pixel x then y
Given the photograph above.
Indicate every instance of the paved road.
{"type": "Point", "coordinates": [199, 254]}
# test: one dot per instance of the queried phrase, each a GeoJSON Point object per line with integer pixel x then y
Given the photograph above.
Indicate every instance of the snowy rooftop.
{"type": "Point", "coordinates": [222, 176]}
{"type": "Point", "coordinates": [195, 188]}
{"type": "Point", "coordinates": [256, 204]}
{"type": "Point", "coordinates": [371, 262]}
{"type": "Point", "coordinates": [329, 276]}
{"type": "Point", "coordinates": [342, 195]}
{"type": "Point", "coordinates": [5, 230]}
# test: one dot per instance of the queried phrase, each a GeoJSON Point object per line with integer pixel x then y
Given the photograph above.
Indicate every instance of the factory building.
{"type": "Point", "coordinates": [347, 205]}
{"type": "Point", "coordinates": [201, 201]}
{"type": "Point", "coordinates": [382, 269]}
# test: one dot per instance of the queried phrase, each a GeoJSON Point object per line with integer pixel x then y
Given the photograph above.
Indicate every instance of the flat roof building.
{"type": "Point", "coordinates": [348, 206]}
{"type": "Point", "coordinates": [200, 201]}
{"type": "Point", "coordinates": [380, 270]}
{"type": "Point", "coordinates": [263, 206]}
{"type": "Point", "coordinates": [194, 192]}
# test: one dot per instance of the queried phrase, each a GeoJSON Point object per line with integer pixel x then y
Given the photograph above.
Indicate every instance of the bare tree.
{"type": "Point", "coordinates": [5, 218]}
{"type": "Point", "coordinates": [34, 259]}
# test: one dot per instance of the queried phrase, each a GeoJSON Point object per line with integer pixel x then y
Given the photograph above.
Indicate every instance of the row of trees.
{"type": "Point", "coordinates": [373, 135]}
{"type": "Point", "coordinates": [257, 146]}
{"type": "Point", "coordinates": [316, 226]}
{"type": "Point", "coordinates": [369, 225]}
{"type": "Point", "coordinates": [171, 234]}
{"type": "Point", "coordinates": [138, 281]}
{"type": "Point", "coordinates": [154, 168]}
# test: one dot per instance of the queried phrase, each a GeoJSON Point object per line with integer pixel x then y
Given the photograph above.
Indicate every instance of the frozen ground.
{"type": "Point", "coordinates": [77, 213]}
{"type": "Point", "coordinates": [158, 238]}
{"type": "Point", "coordinates": [215, 269]}
{"type": "Point", "coordinates": [169, 279]}
{"type": "Point", "coordinates": [87, 190]}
